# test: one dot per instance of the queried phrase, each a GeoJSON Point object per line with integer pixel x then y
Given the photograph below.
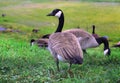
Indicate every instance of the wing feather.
{"type": "Point", "coordinates": [67, 46]}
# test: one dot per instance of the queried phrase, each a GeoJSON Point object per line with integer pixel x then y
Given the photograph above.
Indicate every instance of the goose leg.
{"type": "Point", "coordinates": [57, 63]}
{"type": "Point", "coordinates": [85, 51]}
{"type": "Point", "coordinates": [69, 71]}
{"type": "Point", "coordinates": [69, 66]}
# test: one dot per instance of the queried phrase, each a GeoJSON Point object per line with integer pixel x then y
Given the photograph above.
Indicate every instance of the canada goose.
{"type": "Point", "coordinates": [3, 15]}
{"type": "Point", "coordinates": [35, 30]}
{"type": "Point", "coordinates": [86, 39]}
{"type": "Point", "coordinates": [93, 32]}
{"type": "Point", "coordinates": [65, 47]}
{"type": "Point", "coordinates": [39, 42]}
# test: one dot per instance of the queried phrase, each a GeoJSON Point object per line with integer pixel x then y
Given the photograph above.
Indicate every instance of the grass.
{"type": "Point", "coordinates": [20, 63]}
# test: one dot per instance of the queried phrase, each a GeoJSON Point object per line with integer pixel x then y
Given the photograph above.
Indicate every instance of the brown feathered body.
{"type": "Point", "coordinates": [65, 47]}
{"type": "Point", "coordinates": [85, 39]}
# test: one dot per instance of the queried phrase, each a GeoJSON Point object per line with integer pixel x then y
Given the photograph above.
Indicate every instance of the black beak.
{"type": "Point", "coordinates": [50, 14]}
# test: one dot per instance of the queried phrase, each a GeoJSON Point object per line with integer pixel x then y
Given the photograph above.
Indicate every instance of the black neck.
{"type": "Point", "coordinates": [103, 40]}
{"type": "Point", "coordinates": [93, 30]}
{"type": "Point", "coordinates": [61, 23]}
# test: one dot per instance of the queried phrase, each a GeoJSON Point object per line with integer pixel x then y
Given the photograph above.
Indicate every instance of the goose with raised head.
{"type": "Point", "coordinates": [65, 47]}
{"type": "Point", "coordinates": [86, 39]}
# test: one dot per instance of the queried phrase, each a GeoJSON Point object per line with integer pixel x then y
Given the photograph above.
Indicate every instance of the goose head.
{"type": "Point", "coordinates": [39, 42]}
{"type": "Point", "coordinates": [32, 41]}
{"type": "Point", "coordinates": [103, 40]}
{"type": "Point", "coordinates": [56, 12]}
{"type": "Point", "coordinates": [107, 51]}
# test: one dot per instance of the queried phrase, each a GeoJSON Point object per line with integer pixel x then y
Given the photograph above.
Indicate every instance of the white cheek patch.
{"type": "Point", "coordinates": [58, 14]}
{"type": "Point", "coordinates": [106, 51]}
{"type": "Point", "coordinates": [32, 43]}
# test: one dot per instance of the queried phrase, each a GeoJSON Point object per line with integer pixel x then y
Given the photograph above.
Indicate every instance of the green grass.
{"type": "Point", "coordinates": [25, 64]}
{"type": "Point", "coordinates": [20, 63]}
